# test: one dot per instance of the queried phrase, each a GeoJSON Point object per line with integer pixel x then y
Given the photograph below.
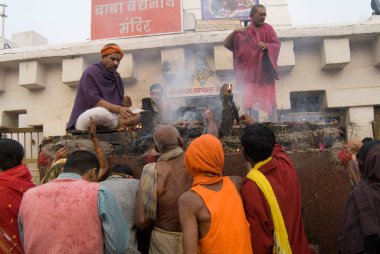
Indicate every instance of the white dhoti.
{"type": "Point", "coordinates": [165, 242]}
{"type": "Point", "coordinates": [102, 117]}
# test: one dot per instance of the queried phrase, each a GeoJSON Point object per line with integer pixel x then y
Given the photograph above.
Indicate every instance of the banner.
{"type": "Point", "coordinates": [227, 9]}
{"type": "Point", "coordinates": [118, 18]}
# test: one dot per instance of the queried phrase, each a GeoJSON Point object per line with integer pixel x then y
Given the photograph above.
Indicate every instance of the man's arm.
{"type": "Point", "coordinates": [103, 163]}
{"type": "Point", "coordinates": [229, 40]}
{"type": "Point", "coordinates": [115, 229]}
{"type": "Point", "coordinates": [188, 219]}
{"type": "Point", "coordinates": [212, 126]}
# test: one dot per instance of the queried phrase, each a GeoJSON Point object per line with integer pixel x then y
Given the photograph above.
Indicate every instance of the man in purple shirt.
{"type": "Point", "coordinates": [100, 94]}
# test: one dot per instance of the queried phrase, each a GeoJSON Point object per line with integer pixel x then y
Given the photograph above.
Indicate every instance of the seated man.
{"type": "Point", "coordinates": [71, 214]}
{"type": "Point", "coordinates": [211, 213]}
{"type": "Point", "coordinates": [101, 93]}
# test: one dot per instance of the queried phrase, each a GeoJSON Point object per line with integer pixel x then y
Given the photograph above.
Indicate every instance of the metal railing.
{"type": "Point", "coordinates": [30, 138]}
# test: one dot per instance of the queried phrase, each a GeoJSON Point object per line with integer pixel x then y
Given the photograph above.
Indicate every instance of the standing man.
{"type": "Point", "coordinates": [255, 53]}
{"type": "Point", "coordinates": [71, 214]}
{"type": "Point", "coordinates": [211, 213]}
{"type": "Point", "coordinates": [15, 180]}
{"type": "Point", "coordinates": [101, 93]}
{"type": "Point", "coordinates": [161, 185]}
{"type": "Point", "coordinates": [271, 194]}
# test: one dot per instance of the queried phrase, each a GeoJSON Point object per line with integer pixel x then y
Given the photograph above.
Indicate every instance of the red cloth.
{"type": "Point", "coordinates": [257, 68]}
{"type": "Point", "coordinates": [282, 176]}
{"type": "Point", "coordinates": [14, 183]}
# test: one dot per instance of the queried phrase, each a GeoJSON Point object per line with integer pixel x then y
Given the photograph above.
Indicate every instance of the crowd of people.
{"type": "Point", "coordinates": [182, 203]}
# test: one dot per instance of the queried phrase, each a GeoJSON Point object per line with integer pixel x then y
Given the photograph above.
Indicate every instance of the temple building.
{"type": "Point", "coordinates": [325, 71]}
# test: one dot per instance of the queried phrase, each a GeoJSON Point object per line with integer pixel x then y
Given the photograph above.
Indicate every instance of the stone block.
{"type": "Point", "coordinates": [359, 122]}
{"type": "Point", "coordinates": [286, 59]}
{"type": "Point", "coordinates": [10, 119]}
{"type": "Point", "coordinates": [72, 69]}
{"type": "Point", "coordinates": [350, 97]}
{"type": "Point", "coordinates": [335, 53]}
{"type": "Point", "coordinates": [173, 60]}
{"type": "Point", "coordinates": [29, 39]}
{"type": "Point", "coordinates": [223, 58]}
{"type": "Point", "coordinates": [31, 75]}
{"type": "Point", "coordinates": [376, 51]}
{"type": "Point", "coordinates": [2, 80]}
{"type": "Point", "coordinates": [127, 69]}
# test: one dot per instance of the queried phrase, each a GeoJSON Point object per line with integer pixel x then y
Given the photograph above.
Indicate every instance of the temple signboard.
{"type": "Point", "coordinates": [227, 9]}
{"type": "Point", "coordinates": [118, 18]}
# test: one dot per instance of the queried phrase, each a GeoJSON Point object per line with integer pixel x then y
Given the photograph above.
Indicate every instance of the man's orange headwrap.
{"type": "Point", "coordinates": [109, 49]}
{"type": "Point", "coordinates": [205, 159]}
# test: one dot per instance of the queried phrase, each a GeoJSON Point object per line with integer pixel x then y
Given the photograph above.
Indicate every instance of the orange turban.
{"type": "Point", "coordinates": [111, 48]}
{"type": "Point", "coordinates": [204, 160]}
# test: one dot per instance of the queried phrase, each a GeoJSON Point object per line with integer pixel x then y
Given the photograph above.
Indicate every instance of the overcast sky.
{"type": "Point", "coordinates": [69, 20]}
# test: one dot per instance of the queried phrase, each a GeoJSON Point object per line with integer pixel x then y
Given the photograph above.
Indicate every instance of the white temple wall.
{"type": "Point", "coordinates": [308, 62]}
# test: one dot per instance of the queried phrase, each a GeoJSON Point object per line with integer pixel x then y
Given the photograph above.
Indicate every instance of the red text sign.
{"type": "Point", "coordinates": [118, 18]}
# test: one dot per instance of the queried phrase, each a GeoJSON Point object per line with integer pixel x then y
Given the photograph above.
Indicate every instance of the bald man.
{"type": "Point", "coordinates": [161, 185]}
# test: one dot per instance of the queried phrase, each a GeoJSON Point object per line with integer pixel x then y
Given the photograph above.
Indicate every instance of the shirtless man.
{"type": "Point", "coordinates": [161, 185]}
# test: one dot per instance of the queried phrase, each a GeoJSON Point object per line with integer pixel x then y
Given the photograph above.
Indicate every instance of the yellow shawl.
{"type": "Point", "coordinates": [280, 235]}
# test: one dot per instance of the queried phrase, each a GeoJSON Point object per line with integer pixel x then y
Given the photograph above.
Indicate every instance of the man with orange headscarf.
{"type": "Point", "coordinates": [211, 212]}
{"type": "Point", "coordinates": [100, 94]}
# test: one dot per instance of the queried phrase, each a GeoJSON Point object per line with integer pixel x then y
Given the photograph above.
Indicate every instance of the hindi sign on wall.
{"type": "Point", "coordinates": [118, 18]}
{"type": "Point", "coordinates": [227, 9]}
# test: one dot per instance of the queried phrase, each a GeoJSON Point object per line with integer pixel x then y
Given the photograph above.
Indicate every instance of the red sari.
{"type": "Point", "coordinates": [14, 183]}
{"type": "Point", "coordinates": [256, 70]}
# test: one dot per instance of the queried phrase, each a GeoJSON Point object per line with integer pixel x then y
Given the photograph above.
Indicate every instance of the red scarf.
{"type": "Point", "coordinates": [14, 183]}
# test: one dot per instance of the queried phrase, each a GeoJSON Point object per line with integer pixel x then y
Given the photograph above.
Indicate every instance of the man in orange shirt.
{"type": "Point", "coordinates": [211, 213]}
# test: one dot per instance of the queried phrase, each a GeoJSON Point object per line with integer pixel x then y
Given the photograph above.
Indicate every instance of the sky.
{"type": "Point", "coordinates": [69, 20]}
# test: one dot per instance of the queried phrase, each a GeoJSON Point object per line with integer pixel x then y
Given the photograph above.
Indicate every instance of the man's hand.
{"type": "Point", "coordinates": [261, 45]}
{"type": "Point", "coordinates": [247, 119]}
{"type": "Point", "coordinates": [212, 127]}
{"type": "Point", "coordinates": [125, 112]}
{"type": "Point", "coordinates": [209, 115]}
{"type": "Point", "coordinates": [127, 101]}
{"type": "Point", "coordinates": [240, 30]}
{"type": "Point", "coordinates": [61, 153]}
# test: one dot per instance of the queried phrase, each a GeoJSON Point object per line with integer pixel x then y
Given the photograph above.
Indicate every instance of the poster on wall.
{"type": "Point", "coordinates": [118, 18]}
{"type": "Point", "coordinates": [199, 78]}
{"type": "Point", "coordinates": [227, 9]}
